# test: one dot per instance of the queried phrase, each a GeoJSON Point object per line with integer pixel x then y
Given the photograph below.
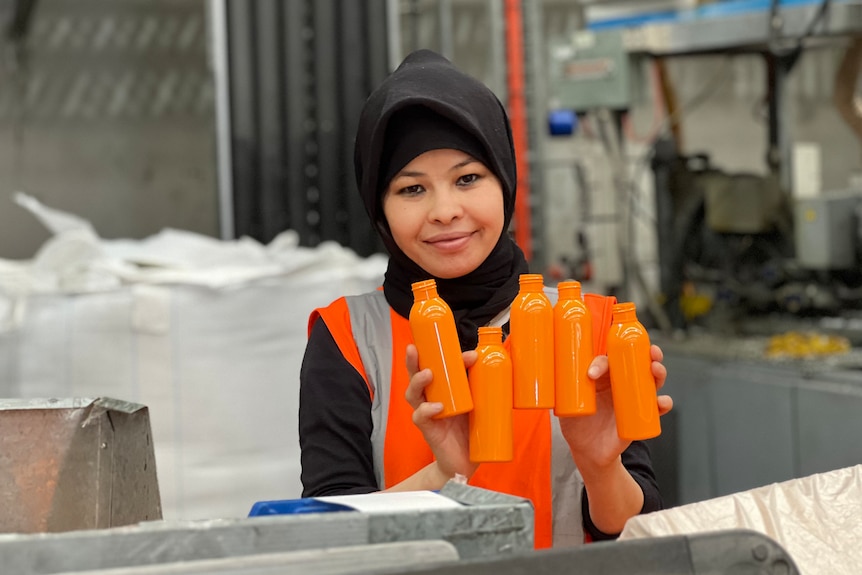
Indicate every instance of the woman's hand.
{"type": "Point", "coordinates": [449, 437]}
{"type": "Point", "coordinates": [593, 439]}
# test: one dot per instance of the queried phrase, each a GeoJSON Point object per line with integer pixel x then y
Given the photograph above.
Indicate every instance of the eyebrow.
{"type": "Point", "coordinates": [458, 166]}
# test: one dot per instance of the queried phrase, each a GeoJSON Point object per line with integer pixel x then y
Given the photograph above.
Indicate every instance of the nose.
{"type": "Point", "coordinates": [446, 205]}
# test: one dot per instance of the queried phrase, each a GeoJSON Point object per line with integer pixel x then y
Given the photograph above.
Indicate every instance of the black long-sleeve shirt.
{"type": "Point", "coordinates": [335, 432]}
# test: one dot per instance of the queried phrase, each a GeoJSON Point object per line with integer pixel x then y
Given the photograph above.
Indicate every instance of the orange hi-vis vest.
{"type": "Point", "coordinates": [373, 338]}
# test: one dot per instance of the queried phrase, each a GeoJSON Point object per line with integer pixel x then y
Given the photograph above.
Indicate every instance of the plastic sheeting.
{"type": "Point", "coordinates": [208, 334]}
{"type": "Point", "coordinates": [817, 519]}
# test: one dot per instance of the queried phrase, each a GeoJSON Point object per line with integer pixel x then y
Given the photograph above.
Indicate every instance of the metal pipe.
{"type": "Point", "coordinates": [221, 75]}
{"type": "Point", "coordinates": [444, 10]}
{"type": "Point", "coordinates": [498, 49]}
{"type": "Point", "coordinates": [393, 32]}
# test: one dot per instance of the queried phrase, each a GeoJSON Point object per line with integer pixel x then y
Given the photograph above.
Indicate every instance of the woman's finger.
{"type": "Point", "coordinates": [412, 360]}
{"type": "Point", "coordinates": [425, 412]}
{"type": "Point", "coordinates": [665, 404]}
{"type": "Point", "coordinates": [656, 353]}
{"type": "Point", "coordinates": [598, 367]}
{"type": "Point", "coordinates": [415, 394]}
{"type": "Point", "coordinates": [470, 358]}
{"type": "Point", "coordinates": [659, 372]}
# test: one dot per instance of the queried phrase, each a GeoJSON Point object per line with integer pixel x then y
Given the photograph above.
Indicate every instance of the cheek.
{"type": "Point", "coordinates": [389, 212]}
{"type": "Point", "coordinates": [400, 223]}
{"type": "Point", "coordinates": [496, 215]}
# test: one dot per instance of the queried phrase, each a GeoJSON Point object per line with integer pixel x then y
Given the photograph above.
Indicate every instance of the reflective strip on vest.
{"type": "Point", "coordinates": [371, 322]}
{"type": "Point", "coordinates": [372, 332]}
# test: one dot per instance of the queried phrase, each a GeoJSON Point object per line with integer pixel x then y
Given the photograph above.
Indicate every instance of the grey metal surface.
{"type": "Point", "coordinates": [221, 84]}
{"type": "Point", "coordinates": [752, 410]}
{"type": "Point", "coordinates": [393, 33]}
{"type": "Point", "coordinates": [745, 421]}
{"type": "Point", "coordinates": [75, 464]}
{"type": "Point", "coordinates": [156, 542]}
{"type": "Point", "coordinates": [748, 31]}
{"type": "Point", "coordinates": [688, 383]}
{"type": "Point", "coordinates": [497, 49]}
{"type": "Point", "coordinates": [739, 551]}
{"type": "Point", "coordinates": [447, 46]}
{"type": "Point", "coordinates": [733, 552]}
{"type": "Point", "coordinates": [335, 561]}
{"type": "Point", "coordinates": [488, 524]}
{"type": "Point", "coordinates": [590, 71]}
{"type": "Point", "coordinates": [535, 93]}
{"type": "Point", "coordinates": [825, 230]}
{"type": "Point", "coordinates": [829, 428]}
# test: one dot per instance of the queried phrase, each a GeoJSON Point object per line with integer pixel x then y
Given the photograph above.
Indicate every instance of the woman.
{"type": "Point", "coordinates": [436, 170]}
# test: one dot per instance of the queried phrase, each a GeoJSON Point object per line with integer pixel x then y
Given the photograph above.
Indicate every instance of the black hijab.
{"type": "Point", "coordinates": [429, 82]}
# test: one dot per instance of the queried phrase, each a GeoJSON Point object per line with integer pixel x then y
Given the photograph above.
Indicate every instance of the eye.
{"type": "Point", "coordinates": [468, 179]}
{"type": "Point", "coordinates": [413, 190]}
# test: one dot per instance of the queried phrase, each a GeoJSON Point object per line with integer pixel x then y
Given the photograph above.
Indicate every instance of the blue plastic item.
{"type": "Point", "coordinates": [562, 122]}
{"type": "Point", "coordinates": [295, 506]}
{"type": "Point", "coordinates": [716, 10]}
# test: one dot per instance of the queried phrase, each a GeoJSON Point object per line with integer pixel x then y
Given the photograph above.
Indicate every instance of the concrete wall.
{"type": "Point", "coordinates": [110, 116]}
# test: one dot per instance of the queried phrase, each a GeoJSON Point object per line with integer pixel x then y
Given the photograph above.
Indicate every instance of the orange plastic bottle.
{"type": "Point", "coordinates": [433, 326]}
{"type": "Point", "coordinates": [531, 329]}
{"type": "Point", "coordinates": [573, 353]}
{"type": "Point", "coordinates": [632, 381]}
{"type": "Point", "coordinates": [491, 387]}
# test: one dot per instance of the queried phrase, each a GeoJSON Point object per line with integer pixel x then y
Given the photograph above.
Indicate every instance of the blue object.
{"type": "Point", "coordinates": [562, 122]}
{"type": "Point", "coordinates": [716, 10]}
{"type": "Point", "coordinates": [295, 506]}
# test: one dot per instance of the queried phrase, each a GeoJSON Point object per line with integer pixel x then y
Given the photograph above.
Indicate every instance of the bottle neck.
{"type": "Point", "coordinates": [569, 291]}
{"type": "Point", "coordinates": [531, 282]}
{"type": "Point", "coordinates": [624, 312]}
{"type": "Point", "coordinates": [424, 293]}
{"type": "Point", "coordinates": [490, 336]}
{"type": "Point", "coordinates": [625, 316]}
{"type": "Point", "coordinates": [423, 290]}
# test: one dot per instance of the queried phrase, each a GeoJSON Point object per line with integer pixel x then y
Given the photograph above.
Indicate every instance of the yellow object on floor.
{"type": "Point", "coordinates": [798, 345]}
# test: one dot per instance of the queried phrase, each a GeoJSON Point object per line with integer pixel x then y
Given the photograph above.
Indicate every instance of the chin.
{"type": "Point", "coordinates": [451, 272]}
{"type": "Point", "coordinates": [447, 276]}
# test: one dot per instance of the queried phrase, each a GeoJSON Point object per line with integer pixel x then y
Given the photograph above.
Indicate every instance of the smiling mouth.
{"type": "Point", "coordinates": [450, 244]}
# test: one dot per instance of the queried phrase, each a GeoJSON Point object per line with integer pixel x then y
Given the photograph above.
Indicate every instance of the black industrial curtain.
{"type": "Point", "coordinates": [300, 71]}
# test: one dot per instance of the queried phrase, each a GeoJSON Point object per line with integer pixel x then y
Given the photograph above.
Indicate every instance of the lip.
{"type": "Point", "coordinates": [449, 242]}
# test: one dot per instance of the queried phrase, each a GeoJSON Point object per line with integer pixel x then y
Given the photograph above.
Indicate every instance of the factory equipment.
{"type": "Point", "coordinates": [731, 246]}
{"type": "Point", "coordinates": [70, 464]}
{"type": "Point", "coordinates": [739, 246]}
{"type": "Point", "coordinates": [591, 71]}
{"type": "Point", "coordinates": [827, 231]}
{"type": "Point", "coordinates": [461, 522]}
{"type": "Point", "coordinates": [85, 468]}
{"type": "Point", "coordinates": [484, 532]}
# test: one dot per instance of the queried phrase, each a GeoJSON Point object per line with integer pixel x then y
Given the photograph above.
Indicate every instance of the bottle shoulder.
{"type": "Point", "coordinates": [430, 308]}
{"type": "Point", "coordinates": [629, 331]}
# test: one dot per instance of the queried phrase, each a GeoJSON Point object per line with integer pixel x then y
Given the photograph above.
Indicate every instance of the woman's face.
{"type": "Point", "coordinates": [445, 211]}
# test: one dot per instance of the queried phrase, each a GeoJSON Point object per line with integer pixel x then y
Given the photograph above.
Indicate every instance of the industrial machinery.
{"type": "Point", "coordinates": [739, 246]}
{"type": "Point", "coordinates": [735, 250]}
{"type": "Point", "coordinates": [76, 463]}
